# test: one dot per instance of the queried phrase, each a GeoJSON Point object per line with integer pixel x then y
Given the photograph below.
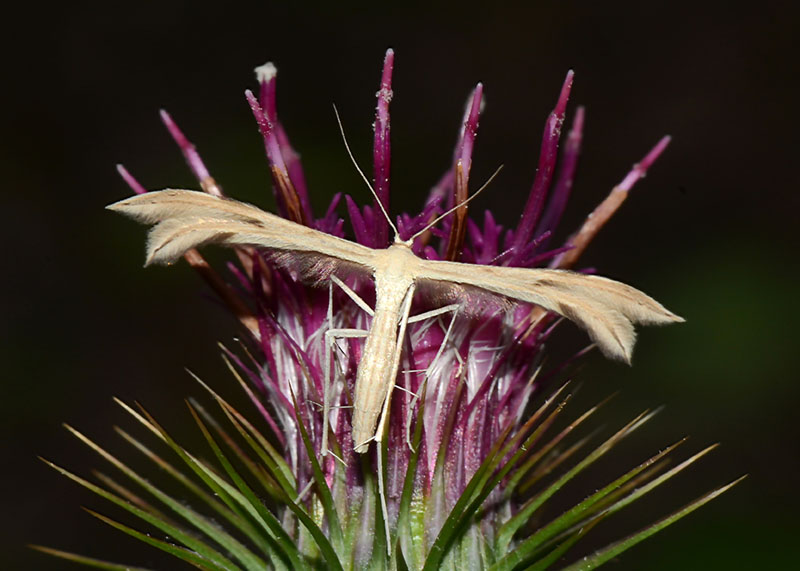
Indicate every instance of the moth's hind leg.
{"type": "Point", "coordinates": [351, 294]}
{"type": "Point", "coordinates": [331, 336]}
{"type": "Point", "coordinates": [434, 313]}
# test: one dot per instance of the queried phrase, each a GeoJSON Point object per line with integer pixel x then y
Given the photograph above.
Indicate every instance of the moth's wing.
{"type": "Point", "coordinates": [185, 219]}
{"type": "Point", "coordinates": [605, 308]}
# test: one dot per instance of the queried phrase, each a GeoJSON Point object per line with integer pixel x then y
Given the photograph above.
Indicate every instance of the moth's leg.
{"type": "Point", "coordinates": [427, 315]}
{"type": "Point", "coordinates": [352, 295]}
{"type": "Point", "coordinates": [331, 335]}
{"type": "Point", "coordinates": [304, 491]}
{"type": "Point", "coordinates": [435, 312]}
{"type": "Point", "coordinates": [382, 493]}
{"type": "Point", "coordinates": [326, 373]}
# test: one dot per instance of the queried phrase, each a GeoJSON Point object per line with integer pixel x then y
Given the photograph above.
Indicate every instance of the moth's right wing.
{"type": "Point", "coordinates": [605, 308]}
{"type": "Point", "coordinates": [186, 219]}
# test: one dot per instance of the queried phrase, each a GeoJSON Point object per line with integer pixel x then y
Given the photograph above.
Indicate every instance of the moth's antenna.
{"type": "Point", "coordinates": [457, 206]}
{"type": "Point", "coordinates": [363, 176]}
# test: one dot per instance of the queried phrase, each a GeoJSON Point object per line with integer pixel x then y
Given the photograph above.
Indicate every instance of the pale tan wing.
{"type": "Point", "coordinates": [605, 308]}
{"type": "Point", "coordinates": [186, 219]}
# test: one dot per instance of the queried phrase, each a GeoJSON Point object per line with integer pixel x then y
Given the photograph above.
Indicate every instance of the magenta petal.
{"type": "Point", "coordinates": [640, 169]}
{"type": "Point", "coordinates": [130, 180]}
{"type": "Point", "coordinates": [382, 149]}
{"type": "Point", "coordinates": [267, 80]}
{"type": "Point", "coordinates": [559, 196]}
{"type": "Point", "coordinates": [191, 155]}
{"type": "Point", "coordinates": [547, 162]}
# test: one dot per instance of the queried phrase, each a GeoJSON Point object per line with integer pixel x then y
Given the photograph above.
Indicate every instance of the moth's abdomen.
{"type": "Point", "coordinates": [374, 381]}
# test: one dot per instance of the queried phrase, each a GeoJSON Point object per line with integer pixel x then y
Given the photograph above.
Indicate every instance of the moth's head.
{"type": "Point", "coordinates": [400, 242]}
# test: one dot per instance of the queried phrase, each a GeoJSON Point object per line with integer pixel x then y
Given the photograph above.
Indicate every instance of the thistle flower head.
{"type": "Point", "coordinates": [466, 460]}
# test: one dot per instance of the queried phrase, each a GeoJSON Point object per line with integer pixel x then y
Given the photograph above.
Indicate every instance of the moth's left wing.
{"type": "Point", "coordinates": [185, 219]}
{"type": "Point", "coordinates": [605, 308]}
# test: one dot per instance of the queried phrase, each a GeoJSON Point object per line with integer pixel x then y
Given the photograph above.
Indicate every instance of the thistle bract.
{"type": "Point", "coordinates": [475, 446]}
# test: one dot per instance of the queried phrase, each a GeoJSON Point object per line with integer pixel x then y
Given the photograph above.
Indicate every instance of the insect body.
{"type": "Point", "coordinates": [380, 358]}
{"type": "Point", "coordinates": [184, 219]}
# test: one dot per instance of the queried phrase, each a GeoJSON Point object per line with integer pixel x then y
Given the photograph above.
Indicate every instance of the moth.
{"type": "Point", "coordinates": [607, 310]}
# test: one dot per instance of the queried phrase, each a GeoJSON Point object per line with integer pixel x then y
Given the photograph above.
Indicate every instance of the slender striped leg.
{"type": "Point", "coordinates": [331, 335]}
{"type": "Point", "coordinates": [420, 317]}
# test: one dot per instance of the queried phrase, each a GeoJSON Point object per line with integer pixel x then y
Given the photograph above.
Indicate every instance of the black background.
{"type": "Point", "coordinates": [710, 232]}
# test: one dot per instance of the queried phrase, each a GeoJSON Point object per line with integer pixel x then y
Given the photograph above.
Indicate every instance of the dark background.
{"type": "Point", "coordinates": [711, 232]}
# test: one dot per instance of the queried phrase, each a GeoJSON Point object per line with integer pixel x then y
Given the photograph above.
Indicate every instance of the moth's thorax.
{"type": "Point", "coordinates": [397, 263]}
